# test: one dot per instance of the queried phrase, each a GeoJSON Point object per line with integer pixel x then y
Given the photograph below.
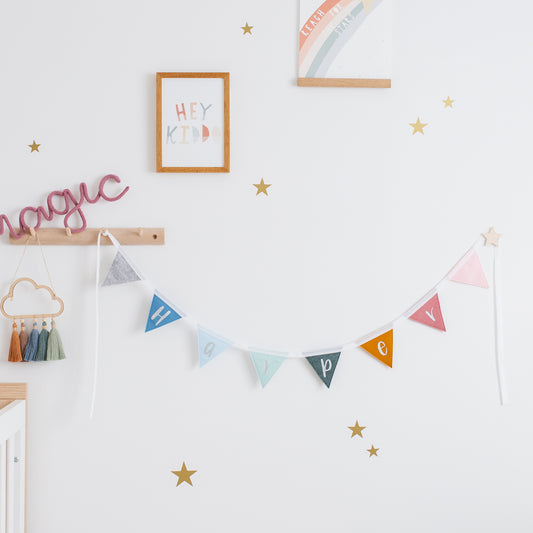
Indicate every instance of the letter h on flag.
{"type": "Point", "coordinates": [161, 313]}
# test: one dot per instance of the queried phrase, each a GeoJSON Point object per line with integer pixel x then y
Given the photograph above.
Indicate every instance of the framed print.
{"type": "Point", "coordinates": [193, 129]}
{"type": "Point", "coordinates": [345, 43]}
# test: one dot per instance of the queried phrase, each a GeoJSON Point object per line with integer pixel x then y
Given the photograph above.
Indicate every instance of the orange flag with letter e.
{"type": "Point", "coordinates": [381, 347]}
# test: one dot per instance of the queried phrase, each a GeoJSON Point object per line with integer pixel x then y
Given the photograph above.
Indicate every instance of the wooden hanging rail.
{"type": "Point", "coordinates": [345, 82]}
{"type": "Point", "coordinates": [89, 237]}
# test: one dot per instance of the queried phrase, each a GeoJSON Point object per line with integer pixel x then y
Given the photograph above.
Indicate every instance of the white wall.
{"type": "Point", "coordinates": [362, 218]}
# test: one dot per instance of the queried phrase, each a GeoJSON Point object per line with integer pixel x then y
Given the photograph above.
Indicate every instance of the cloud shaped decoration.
{"type": "Point", "coordinates": [9, 299]}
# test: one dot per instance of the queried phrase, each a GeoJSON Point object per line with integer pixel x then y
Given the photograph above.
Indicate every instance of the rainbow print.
{"type": "Point", "coordinates": [344, 38]}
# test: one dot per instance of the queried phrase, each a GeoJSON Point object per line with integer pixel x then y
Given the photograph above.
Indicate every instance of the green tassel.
{"type": "Point", "coordinates": [55, 346]}
{"type": "Point", "coordinates": [43, 344]}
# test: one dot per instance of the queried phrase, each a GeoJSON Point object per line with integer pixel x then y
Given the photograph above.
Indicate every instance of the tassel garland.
{"type": "Point", "coordinates": [33, 342]}
{"type": "Point", "coordinates": [55, 350]}
{"type": "Point", "coordinates": [43, 344]}
{"type": "Point", "coordinates": [15, 354]}
{"type": "Point", "coordinates": [23, 337]}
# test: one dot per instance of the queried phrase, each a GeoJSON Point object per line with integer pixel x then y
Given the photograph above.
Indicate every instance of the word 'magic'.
{"type": "Point", "coordinates": [64, 203]}
{"type": "Point", "coordinates": [192, 125]}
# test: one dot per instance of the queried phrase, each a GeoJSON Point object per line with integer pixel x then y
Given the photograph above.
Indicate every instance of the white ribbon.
{"type": "Point", "coordinates": [498, 326]}
{"type": "Point", "coordinates": [97, 321]}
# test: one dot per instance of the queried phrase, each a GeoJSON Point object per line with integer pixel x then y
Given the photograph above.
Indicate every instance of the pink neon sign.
{"type": "Point", "coordinates": [70, 206]}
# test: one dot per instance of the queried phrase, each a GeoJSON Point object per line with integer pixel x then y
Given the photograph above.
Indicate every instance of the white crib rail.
{"type": "Point", "coordinates": [12, 467]}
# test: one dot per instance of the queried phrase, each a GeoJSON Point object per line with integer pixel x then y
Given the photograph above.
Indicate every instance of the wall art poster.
{"type": "Point", "coordinates": [345, 43]}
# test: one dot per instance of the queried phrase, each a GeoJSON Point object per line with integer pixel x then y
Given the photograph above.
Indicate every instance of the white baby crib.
{"type": "Point", "coordinates": [13, 457]}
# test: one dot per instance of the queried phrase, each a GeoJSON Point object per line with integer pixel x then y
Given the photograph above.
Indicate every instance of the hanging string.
{"type": "Point", "coordinates": [498, 325]}
{"type": "Point", "coordinates": [97, 321]}
{"type": "Point", "coordinates": [45, 263]}
{"type": "Point", "coordinates": [42, 255]}
{"type": "Point", "coordinates": [21, 259]}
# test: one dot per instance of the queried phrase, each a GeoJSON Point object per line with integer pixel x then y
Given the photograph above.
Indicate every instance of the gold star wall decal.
{"type": "Point", "coordinates": [262, 187]}
{"type": "Point", "coordinates": [34, 147]}
{"type": "Point", "coordinates": [184, 475]}
{"type": "Point", "coordinates": [247, 29]}
{"type": "Point", "coordinates": [357, 429]}
{"type": "Point", "coordinates": [368, 4]}
{"type": "Point", "coordinates": [491, 237]}
{"type": "Point", "coordinates": [448, 102]}
{"type": "Point", "coordinates": [418, 126]}
{"type": "Point", "coordinates": [373, 451]}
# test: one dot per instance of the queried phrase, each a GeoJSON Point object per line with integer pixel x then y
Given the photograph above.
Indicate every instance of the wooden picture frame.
{"type": "Point", "coordinates": [190, 109]}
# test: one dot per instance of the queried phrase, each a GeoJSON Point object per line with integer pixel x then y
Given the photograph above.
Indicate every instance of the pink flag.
{"type": "Point", "coordinates": [430, 314]}
{"type": "Point", "coordinates": [471, 272]}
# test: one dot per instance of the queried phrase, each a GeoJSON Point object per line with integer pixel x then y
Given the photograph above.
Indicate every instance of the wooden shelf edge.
{"type": "Point", "coordinates": [369, 83]}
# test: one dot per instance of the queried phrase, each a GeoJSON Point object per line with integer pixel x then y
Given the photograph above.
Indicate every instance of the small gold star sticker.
{"type": "Point", "coordinates": [247, 29]}
{"type": "Point", "coordinates": [34, 147]}
{"type": "Point", "coordinates": [357, 429]}
{"type": "Point", "coordinates": [262, 187]}
{"type": "Point", "coordinates": [373, 451]}
{"type": "Point", "coordinates": [418, 126]}
{"type": "Point", "coordinates": [368, 4]}
{"type": "Point", "coordinates": [448, 102]}
{"type": "Point", "coordinates": [184, 475]}
{"type": "Point", "coordinates": [491, 237]}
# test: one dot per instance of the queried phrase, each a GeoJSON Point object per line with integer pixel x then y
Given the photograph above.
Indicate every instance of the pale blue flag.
{"type": "Point", "coordinates": [209, 346]}
{"type": "Point", "coordinates": [266, 365]}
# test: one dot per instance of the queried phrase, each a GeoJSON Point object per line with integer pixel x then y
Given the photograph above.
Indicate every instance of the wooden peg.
{"type": "Point", "coordinates": [89, 237]}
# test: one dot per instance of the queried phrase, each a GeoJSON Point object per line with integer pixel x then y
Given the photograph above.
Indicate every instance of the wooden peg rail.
{"type": "Point", "coordinates": [89, 237]}
{"type": "Point", "coordinates": [345, 82]}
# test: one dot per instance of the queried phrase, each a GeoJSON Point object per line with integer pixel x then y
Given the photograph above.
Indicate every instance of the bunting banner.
{"type": "Point", "coordinates": [470, 272]}
{"type": "Point", "coordinates": [121, 271]}
{"type": "Point", "coordinates": [430, 314]}
{"type": "Point", "coordinates": [426, 311]}
{"type": "Point", "coordinates": [324, 366]}
{"type": "Point", "coordinates": [266, 365]}
{"type": "Point", "coordinates": [161, 313]}
{"type": "Point", "coordinates": [381, 347]}
{"type": "Point", "coordinates": [209, 346]}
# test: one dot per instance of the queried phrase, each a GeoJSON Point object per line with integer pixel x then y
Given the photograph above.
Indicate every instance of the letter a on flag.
{"type": "Point", "coordinates": [209, 346]}
{"type": "Point", "coordinates": [266, 365]}
{"type": "Point", "coordinates": [430, 314]}
{"type": "Point", "coordinates": [161, 313]}
{"type": "Point", "coordinates": [381, 347]}
{"type": "Point", "coordinates": [121, 271]}
{"type": "Point", "coordinates": [324, 366]}
{"type": "Point", "coordinates": [470, 272]}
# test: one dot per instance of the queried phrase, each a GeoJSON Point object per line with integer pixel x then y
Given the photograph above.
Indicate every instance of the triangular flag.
{"type": "Point", "coordinates": [266, 365]}
{"type": "Point", "coordinates": [471, 272]}
{"type": "Point", "coordinates": [324, 366]}
{"type": "Point", "coordinates": [430, 314]}
{"type": "Point", "coordinates": [161, 314]}
{"type": "Point", "coordinates": [209, 346]}
{"type": "Point", "coordinates": [121, 271]}
{"type": "Point", "coordinates": [381, 347]}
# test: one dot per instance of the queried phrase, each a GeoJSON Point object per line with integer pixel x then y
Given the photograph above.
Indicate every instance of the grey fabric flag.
{"type": "Point", "coordinates": [120, 272]}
